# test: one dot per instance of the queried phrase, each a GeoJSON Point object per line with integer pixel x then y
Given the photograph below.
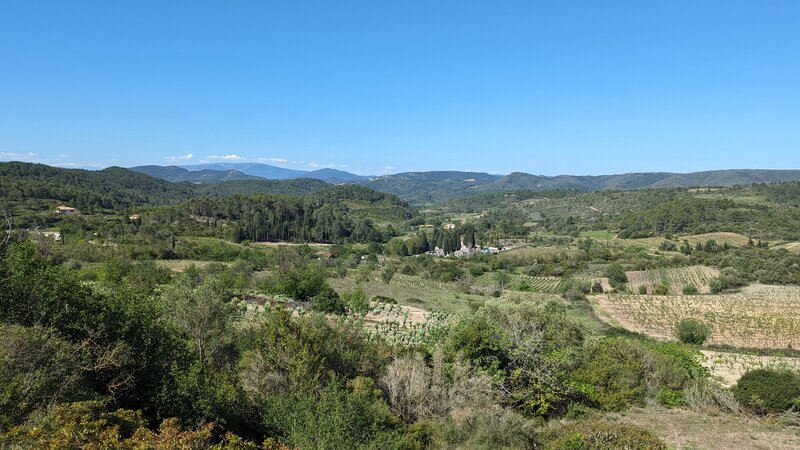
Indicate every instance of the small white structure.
{"type": "Point", "coordinates": [449, 226]}
{"type": "Point", "coordinates": [54, 235]}
{"type": "Point", "coordinates": [65, 210]}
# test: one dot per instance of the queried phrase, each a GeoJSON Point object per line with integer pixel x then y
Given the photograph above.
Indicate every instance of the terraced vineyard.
{"type": "Point", "coordinates": [765, 317]}
{"type": "Point", "coordinates": [398, 324]}
{"type": "Point", "coordinates": [547, 285]}
{"type": "Point", "coordinates": [674, 278]}
{"type": "Point", "coordinates": [722, 237]}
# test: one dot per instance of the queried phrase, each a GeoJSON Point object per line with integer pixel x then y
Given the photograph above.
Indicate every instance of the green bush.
{"type": "Point", "coordinates": [643, 290]}
{"type": "Point", "coordinates": [356, 300]}
{"type": "Point", "coordinates": [384, 299]}
{"type": "Point", "coordinates": [300, 282]}
{"type": "Point", "coordinates": [768, 390]}
{"type": "Point", "coordinates": [716, 285]}
{"type": "Point", "coordinates": [692, 331]}
{"type": "Point", "coordinates": [328, 301]}
{"type": "Point", "coordinates": [574, 295]}
{"type": "Point", "coordinates": [600, 435]}
{"type": "Point", "coordinates": [690, 290]}
{"type": "Point", "coordinates": [661, 289]}
{"type": "Point", "coordinates": [618, 373]}
{"type": "Point", "coordinates": [616, 275]}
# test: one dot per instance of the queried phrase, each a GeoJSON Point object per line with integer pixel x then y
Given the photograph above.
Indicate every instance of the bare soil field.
{"type": "Point", "coordinates": [763, 317]}
{"type": "Point", "coordinates": [674, 278]}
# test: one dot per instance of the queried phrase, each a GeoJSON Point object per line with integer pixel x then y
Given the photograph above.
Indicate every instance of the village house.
{"type": "Point", "coordinates": [449, 226]}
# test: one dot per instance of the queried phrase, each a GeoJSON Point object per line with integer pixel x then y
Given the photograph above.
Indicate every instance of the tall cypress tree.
{"type": "Point", "coordinates": [424, 245]}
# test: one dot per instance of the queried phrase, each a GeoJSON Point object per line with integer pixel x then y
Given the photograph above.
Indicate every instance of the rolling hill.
{"type": "Point", "coordinates": [178, 174]}
{"type": "Point", "coordinates": [426, 187]}
{"type": "Point", "coordinates": [267, 171]}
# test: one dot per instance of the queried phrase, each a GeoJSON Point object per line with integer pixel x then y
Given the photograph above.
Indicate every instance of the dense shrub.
{"type": "Point", "coordinates": [661, 289]}
{"type": "Point", "coordinates": [618, 373]}
{"type": "Point", "coordinates": [768, 390]}
{"type": "Point", "coordinates": [690, 290]}
{"type": "Point", "coordinates": [729, 278]}
{"type": "Point", "coordinates": [300, 281]}
{"type": "Point", "coordinates": [384, 299]}
{"type": "Point", "coordinates": [616, 275]}
{"type": "Point", "coordinates": [91, 425]}
{"type": "Point", "coordinates": [692, 331]}
{"type": "Point", "coordinates": [600, 435]}
{"type": "Point", "coordinates": [356, 300]}
{"type": "Point", "coordinates": [328, 301]}
{"type": "Point", "coordinates": [38, 369]}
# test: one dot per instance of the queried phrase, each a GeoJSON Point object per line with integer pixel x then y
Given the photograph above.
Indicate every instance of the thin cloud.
{"type": "Point", "coordinates": [178, 158]}
{"type": "Point", "coordinates": [18, 156]}
{"type": "Point", "coordinates": [231, 157]}
{"type": "Point", "coordinates": [273, 160]}
{"type": "Point", "coordinates": [316, 165]}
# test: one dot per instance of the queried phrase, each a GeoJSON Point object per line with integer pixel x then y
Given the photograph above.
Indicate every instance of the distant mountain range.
{"type": "Point", "coordinates": [425, 187]}
{"type": "Point", "coordinates": [217, 172]}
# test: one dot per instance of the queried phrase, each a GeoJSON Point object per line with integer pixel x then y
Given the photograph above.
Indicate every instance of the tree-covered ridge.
{"type": "Point", "coordinates": [316, 218]}
{"type": "Point", "coordinates": [296, 186]}
{"type": "Point", "coordinates": [688, 215]}
{"type": "Point", "coordinates": [112, 188]}
{"type": "Point", "coordinates": [297, 210]}
{"type": "Point", "coordinates": [118, 188]}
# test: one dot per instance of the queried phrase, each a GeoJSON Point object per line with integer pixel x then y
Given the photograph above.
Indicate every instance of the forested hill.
{"type": "Point", "coordinates": [178, 174]}
{"type": "Point", "coordinates": [113, 187]}
{"type": "Point", "coordinates": [117, 188]}
{"type": "Point", "coordinates": [430, 187]}
{"type": "Point", "coordinates": [294, 210]}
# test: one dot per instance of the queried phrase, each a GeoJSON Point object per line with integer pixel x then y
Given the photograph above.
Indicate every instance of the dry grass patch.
{"type": "Point", "coordinates": [728, 367]}
{"type": "Point", "coordinates": [685, 429]}
{"type": "Point", "coordinates": [179, 265]}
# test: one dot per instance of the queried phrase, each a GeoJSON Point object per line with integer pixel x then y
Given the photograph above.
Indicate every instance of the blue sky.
{"type": "Point", "coordinates": [579, 87]}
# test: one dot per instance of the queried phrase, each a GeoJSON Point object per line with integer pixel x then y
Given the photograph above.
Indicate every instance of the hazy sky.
{"type": "Point", "coordinates": [579, 87]}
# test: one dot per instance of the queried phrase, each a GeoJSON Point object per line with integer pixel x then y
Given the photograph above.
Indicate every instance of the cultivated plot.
{"type": "Point", "coordinates": [767, 317]}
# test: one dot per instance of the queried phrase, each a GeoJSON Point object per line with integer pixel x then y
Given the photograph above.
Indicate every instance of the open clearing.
{"type": "Point", "coordinates": [686, 429]}
{"type": "Point", "coordinates": [179, 265]}
{"type": "Point", "coordinates": [791, 246]}
{"type": "Point", "coordinates": [763, 317]}
{"type": "Point", "coordinates": [674, 278]}
{"type": "Point", "coordinates": [412, 291]}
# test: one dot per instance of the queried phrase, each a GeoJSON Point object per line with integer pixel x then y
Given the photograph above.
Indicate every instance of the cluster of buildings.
{"type": "Point", "coordinates": [466, 251]}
